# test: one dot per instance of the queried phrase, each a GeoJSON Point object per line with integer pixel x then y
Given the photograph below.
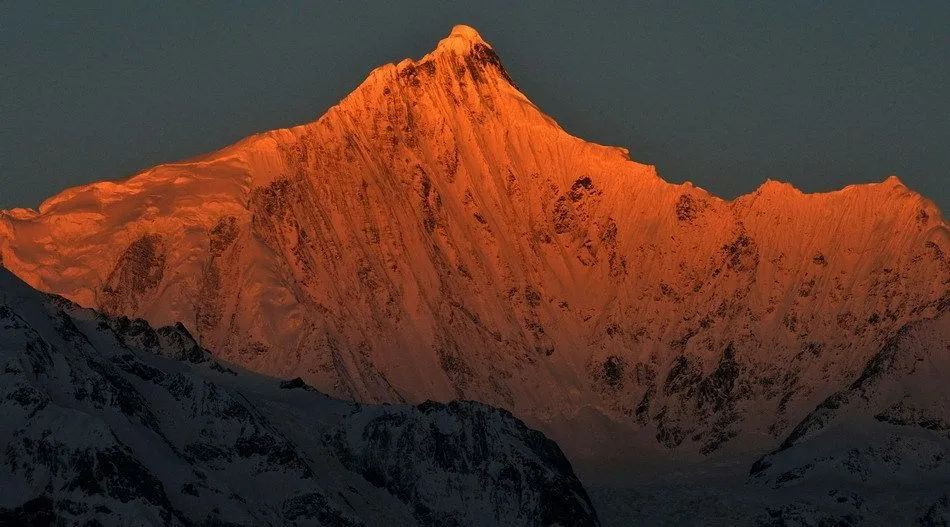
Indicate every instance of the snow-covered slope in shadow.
{"type": "Point", "coordinates": [107, 419]}
{"type": "Point", "coordinates": [878, 448]}
{"type": "Point", "coordinates": [875, 452]}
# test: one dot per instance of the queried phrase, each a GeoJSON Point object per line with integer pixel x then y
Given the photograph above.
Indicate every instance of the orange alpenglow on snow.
{"type": "Point", "coordinates": [436, 236]}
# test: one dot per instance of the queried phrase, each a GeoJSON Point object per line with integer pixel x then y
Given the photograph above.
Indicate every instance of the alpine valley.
{"type": "Point", "coordinates": [780, 358]}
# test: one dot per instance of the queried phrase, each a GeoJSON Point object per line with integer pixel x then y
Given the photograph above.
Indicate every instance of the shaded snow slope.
{"type": "Point", "coordinates": [879, 448]}
{"type": "Point", "coordinates": [875, 452]}
{"type": "Point", "coordinates": [109, 420]}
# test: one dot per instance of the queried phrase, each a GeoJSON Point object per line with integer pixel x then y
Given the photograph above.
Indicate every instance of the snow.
{"type": "Point", "coordinates": [436, 236]}
{"type": "Point", "coordinates": [109, 420]}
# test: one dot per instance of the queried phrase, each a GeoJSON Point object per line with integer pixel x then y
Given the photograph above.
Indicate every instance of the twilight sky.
{"type": "Point", "coordinates": [724, 94]}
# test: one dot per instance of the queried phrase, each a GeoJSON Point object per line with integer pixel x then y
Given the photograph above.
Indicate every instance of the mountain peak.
{"type": "Point", "coordinates": [466, 32]}
{"type": "Point", "coordinates": [464, 47]}
{"type": "Point", "coordinates": [893, 181]}
{"type": "Point", "coordinates": [462, 39]}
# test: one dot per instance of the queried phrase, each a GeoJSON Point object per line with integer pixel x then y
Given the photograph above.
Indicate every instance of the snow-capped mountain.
{"type": "Point", "coordinates": [107, 421]}
{"type": "Point", "coordinates": [880, 447]}
{"type": "Point", "coordinates": [436, 236]}
{"type": "Point", "coordinates": [875, 452]}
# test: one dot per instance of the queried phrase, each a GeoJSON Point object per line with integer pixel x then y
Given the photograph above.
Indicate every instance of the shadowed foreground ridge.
{"type": "Point", "coordinates": [109, 420]}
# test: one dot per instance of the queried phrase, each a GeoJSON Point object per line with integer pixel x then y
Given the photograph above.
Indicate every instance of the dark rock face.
{"type": "Point", "coordinates": [108, 421]}
{"type": "Point", "coordinates": [687, 209]}
{"type": "Point", "coordinates": [485, 57]}
{"type": "Point", "coordinates": [223, 235]}
{"type": "Point", "coordinates": [459, 441]}
{"type": "Point", "coordinates": [139, 270]}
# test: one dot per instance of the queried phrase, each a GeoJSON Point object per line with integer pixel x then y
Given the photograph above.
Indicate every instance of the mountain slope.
{"type": "Point", "coordinates": [434, 235]}
{"type": "Point", "coordinates": [108, 421]}
{"type": "Point", "coordinates": [875, 452]}
{"type": "Point", "coordinates": [878, 448]}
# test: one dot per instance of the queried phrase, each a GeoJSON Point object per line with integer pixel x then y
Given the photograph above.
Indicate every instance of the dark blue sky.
{"type": "Point", "coordinates": [724, 94]}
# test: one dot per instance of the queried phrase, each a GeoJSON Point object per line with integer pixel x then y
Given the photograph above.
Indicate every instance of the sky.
{"type": "Point", "coordinates": [723, 94]}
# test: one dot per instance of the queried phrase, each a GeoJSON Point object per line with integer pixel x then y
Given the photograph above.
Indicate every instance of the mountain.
{"type": "Point", "coordinates": [109, 421]}
{"type": "Point", "coordinates": [436, 236]}
{"type": "Point", "coordinates": [874, 452]}
{"type": "Point", "coordinates": [877, 448]}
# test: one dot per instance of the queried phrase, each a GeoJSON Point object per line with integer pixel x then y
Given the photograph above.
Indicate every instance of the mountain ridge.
{"type": "Point", "coordinates": [500, 258]}
{"type": "Point", "coordinates": [111, 421]}
{"type": "Point", "coordinates": [462, 40]}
